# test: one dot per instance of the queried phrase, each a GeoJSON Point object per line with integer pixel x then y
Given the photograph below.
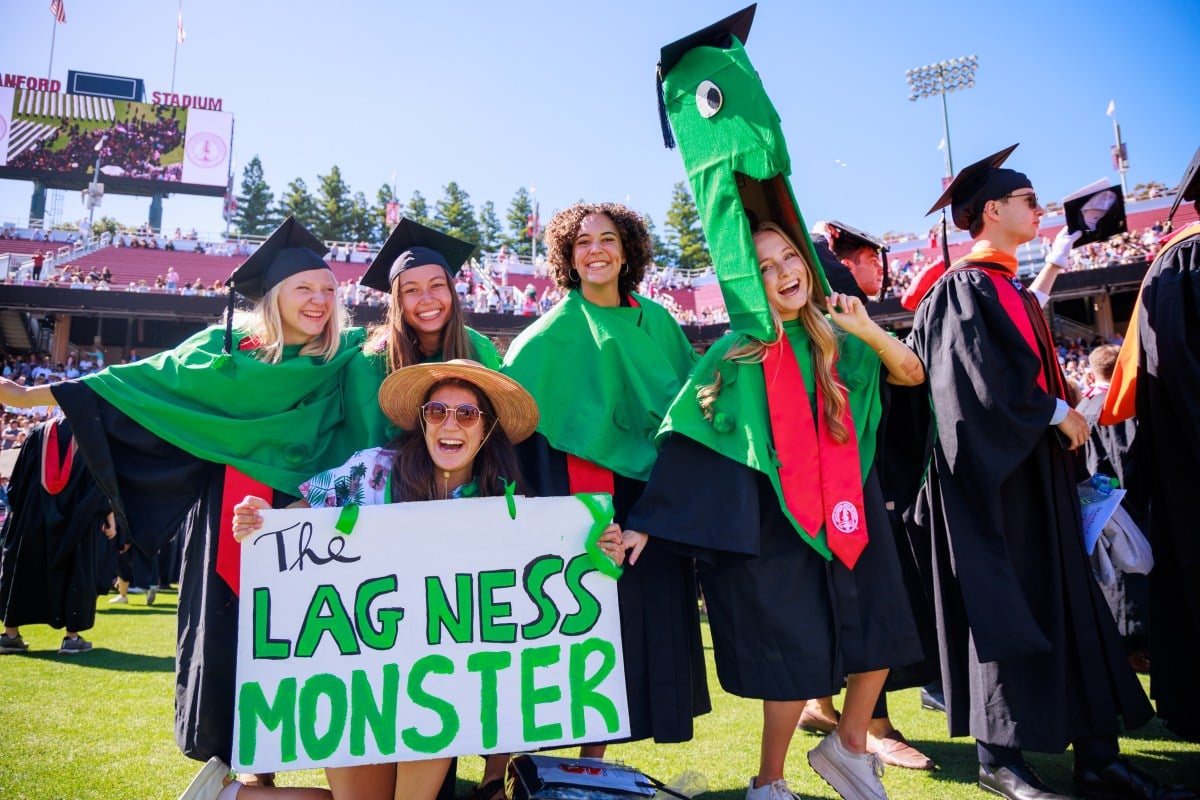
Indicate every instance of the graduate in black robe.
{"type": "Point", "coordinates": [50, 570]}
{"type": "Point", "coordinates": [1031, 658]}
{"type": "Point", "coordinates": [1109, 451]}
{"type": "Point", "coordinates": [1158, 372]}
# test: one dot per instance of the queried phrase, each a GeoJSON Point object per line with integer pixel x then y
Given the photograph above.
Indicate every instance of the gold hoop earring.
{"type": "Point", "coordinates": [573, 275]}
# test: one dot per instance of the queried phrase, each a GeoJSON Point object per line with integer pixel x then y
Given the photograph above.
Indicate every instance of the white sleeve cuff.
{"type": "Point", "coordinates": [1042, 298]}
{"type": "Point", "coordinates": [1060, 412]}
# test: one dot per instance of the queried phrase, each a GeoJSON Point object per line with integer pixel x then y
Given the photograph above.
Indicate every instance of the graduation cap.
{"type": "Point", "coordinates": [846, 239]}
{"type": "Point", "coordinates": [411, 245]}
{"type": "Point", "coordinates": [716, 35]}
{"type": "Point", "coordinates": [978, 183]}
{"type": "Point", "coordinates": [1189, 185]}
{"type": "Point", "coordinates": [287, 251]}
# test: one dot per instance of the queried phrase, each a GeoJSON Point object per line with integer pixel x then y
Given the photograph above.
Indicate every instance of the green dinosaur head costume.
{"type": "Point", "coordinates": [736, 158]}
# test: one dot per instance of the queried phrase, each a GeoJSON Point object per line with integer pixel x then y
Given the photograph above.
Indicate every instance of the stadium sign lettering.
{"type": "Point", "coordinates": [185, 101]}
{"type": "Point", "coordinates": [31, 83]}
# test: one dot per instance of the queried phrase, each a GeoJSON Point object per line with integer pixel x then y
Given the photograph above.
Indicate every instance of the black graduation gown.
{"type": "Point", "coordinates": [1029, 652]}
{"type": "Point", "coordinates": [53, 546]}
{"type": "Point", "coordinates": [786, 624]}
{"type": "Point", "coordinates": [162, 490]}
{"type": "Point", "coordinates": [1168, 457]}
{"type": "Point", "coordinates": [665, 676]}
{"type": "Point", "coordinates": [1110, 452]}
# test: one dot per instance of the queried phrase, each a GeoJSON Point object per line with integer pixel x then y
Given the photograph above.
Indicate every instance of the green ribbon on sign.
{"type": "Point", "coordinates": [601, 508]}
{"type": "Point", "coordinates": [346, 520]}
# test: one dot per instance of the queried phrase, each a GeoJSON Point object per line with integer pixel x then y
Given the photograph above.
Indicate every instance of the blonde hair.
{"type": "Point", "coordinates": [264, 324]}
{"type": "Point", "coordinates": [824, 345]}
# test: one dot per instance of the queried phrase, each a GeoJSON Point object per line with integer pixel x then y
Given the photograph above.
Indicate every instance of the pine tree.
{"type": "Point", "coordinates": [685, 236]}
{"type": "Point", "coordinates": [454, 214]}
{"type": "Point", "coordinates": [519, 212]}
{"type": "Point", "coordinates": [254, 216]}
{"type": "Point", "coordinates": [297, 202]}
{"type": "Point", "coordinates": [362, 224]}
{"type": "Point", "coordinates": [417, 209]}
{"type": "Point", "coordinates": [490, 231]}
{"type": "Point", "coordinates": [662, 253]}
{"type": "Point", "coordinates": [333, 208]}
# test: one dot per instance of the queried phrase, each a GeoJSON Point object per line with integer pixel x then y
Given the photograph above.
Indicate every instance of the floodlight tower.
{"type": "Point", "coordinates": [938, 79]}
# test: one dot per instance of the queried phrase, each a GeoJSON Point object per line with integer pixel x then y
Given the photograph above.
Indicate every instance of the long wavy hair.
{"type": "Point", "coordinates": [264, 324]}
{"type": "Point", "coordinates": [824, 344]}
{"type": "Point", "coordinates": [563, 228]}
{"type": "Point", "coordinates": [400, 341]}
{"type": "Point", "coordinates": [414, 475]}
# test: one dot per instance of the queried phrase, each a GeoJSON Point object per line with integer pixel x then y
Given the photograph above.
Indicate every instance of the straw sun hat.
{"type": "Point", "coordinates": [404, 391]}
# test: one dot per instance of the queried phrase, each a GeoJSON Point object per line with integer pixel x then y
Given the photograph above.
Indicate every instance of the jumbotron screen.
{"type": "Point", "coordinates": [143, 148]}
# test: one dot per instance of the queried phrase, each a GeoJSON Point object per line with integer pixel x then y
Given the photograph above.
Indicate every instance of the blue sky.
{"type": "Point", "coordinates": [559, 95]}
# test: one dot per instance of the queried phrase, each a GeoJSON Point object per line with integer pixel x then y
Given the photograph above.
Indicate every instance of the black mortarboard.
{"type": "Point", "coordinates": [847, 239]}
{"type": "Point", "coordinates": [287, 251]}
{"type": "Point", "coordinates": [410, 245]}
{"type": "Point", "coordinates": [975, 185]}
{"type": "Point", "coordinates": [715, 35]}
{"type": "Point", "coordinates": [1189, 185]}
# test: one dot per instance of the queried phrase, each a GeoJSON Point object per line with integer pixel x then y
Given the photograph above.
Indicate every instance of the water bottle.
{"type": "Point", "coordinates": [1104, 484]}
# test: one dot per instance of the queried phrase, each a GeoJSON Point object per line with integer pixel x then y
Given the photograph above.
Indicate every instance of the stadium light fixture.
{"type": "Point", "coordinates": [940, 79]}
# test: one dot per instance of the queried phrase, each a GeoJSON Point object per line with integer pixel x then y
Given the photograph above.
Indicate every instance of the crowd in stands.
{"type": "Point", "coordinates": [35, 371]}
{"type": "Point", "coordinates": [135, 147]}
{"type": "Point", "coordinates": [493, 294]}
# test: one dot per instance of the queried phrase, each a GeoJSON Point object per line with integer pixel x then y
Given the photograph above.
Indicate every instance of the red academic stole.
{"type": "Point", "coordinates": [1023, 309]}
{"type": "Point", "coordinates": [584, 475]}
{"type": "Point", "coordinates": [229, 551]}
{"type": "Point", "coordinates": [821, 479]}
{"type": "Point", "coordinates": [56, 470]}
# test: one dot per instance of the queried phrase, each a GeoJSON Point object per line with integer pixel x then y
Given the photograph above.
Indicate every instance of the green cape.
{"type": "Point", "coordinates": [278, 423]}
{"type": "Point", "coordinates": [741, 427]}
{"type": "Point", "coordinates": [485, 352]}
{"type": "Point", "coordinates": [602, 378]}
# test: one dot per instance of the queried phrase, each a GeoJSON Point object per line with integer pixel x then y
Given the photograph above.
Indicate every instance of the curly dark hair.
{"type": "Point", "coordinates": [635, 243]}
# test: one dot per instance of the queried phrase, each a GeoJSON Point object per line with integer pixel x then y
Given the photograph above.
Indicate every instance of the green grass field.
{"type": "Point", "coordinates": [99, 725]}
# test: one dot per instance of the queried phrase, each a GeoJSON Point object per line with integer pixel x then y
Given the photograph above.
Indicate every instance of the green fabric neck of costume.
{"type": "Point", "coordinates": [602, 377]}
{"type": "Point", "coordinates": [740, 429]}
{"type": "Point", "coordinates": [278, 423]}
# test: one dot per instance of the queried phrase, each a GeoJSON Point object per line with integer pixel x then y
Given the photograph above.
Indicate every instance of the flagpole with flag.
{"type": "Point", "coordinates": [180, 36]}
{"type": "Point", "coordinates": [1120, 162]}
{"type": "Point", "coordinates": [59, 12]}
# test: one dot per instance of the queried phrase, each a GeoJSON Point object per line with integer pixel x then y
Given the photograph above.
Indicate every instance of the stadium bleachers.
{"type": "Point", "coordinates": [132, 264]}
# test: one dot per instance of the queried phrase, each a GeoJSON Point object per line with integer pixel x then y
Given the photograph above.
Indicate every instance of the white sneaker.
{"type": "Point", "coordinates": [775, 790]}
{"type": "Point", "coordinates": [118, 600]}
{"type": "Point", "coordinates": [855, 776]}
{"type": "Point", "coordinates": [209, 781]}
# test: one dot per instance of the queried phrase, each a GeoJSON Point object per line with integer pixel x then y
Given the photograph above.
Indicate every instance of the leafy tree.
{"type": "Point", "coordinates": [362, 223]}
{"type": "Point", "coordinates": [519, 212]}
{"type": "Point", "coordinates": [333, 207]}
{"type": "Point", "coordinates": [490, 232]}
{"type": "Point", "coordinates": [685, 236]}
{"type": "Point", "coordinates": [417, 209]}
{"type": "Point", "coordinates": [103, 224]}
{"type": "Point", "coordinates": [254, 215]}
{"type": "Point", "coordinates": [379, 226]}
{"type": "Point", "coordinates": [298, 202]}
{"type": "Point", "coordinates": [454, 215]}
